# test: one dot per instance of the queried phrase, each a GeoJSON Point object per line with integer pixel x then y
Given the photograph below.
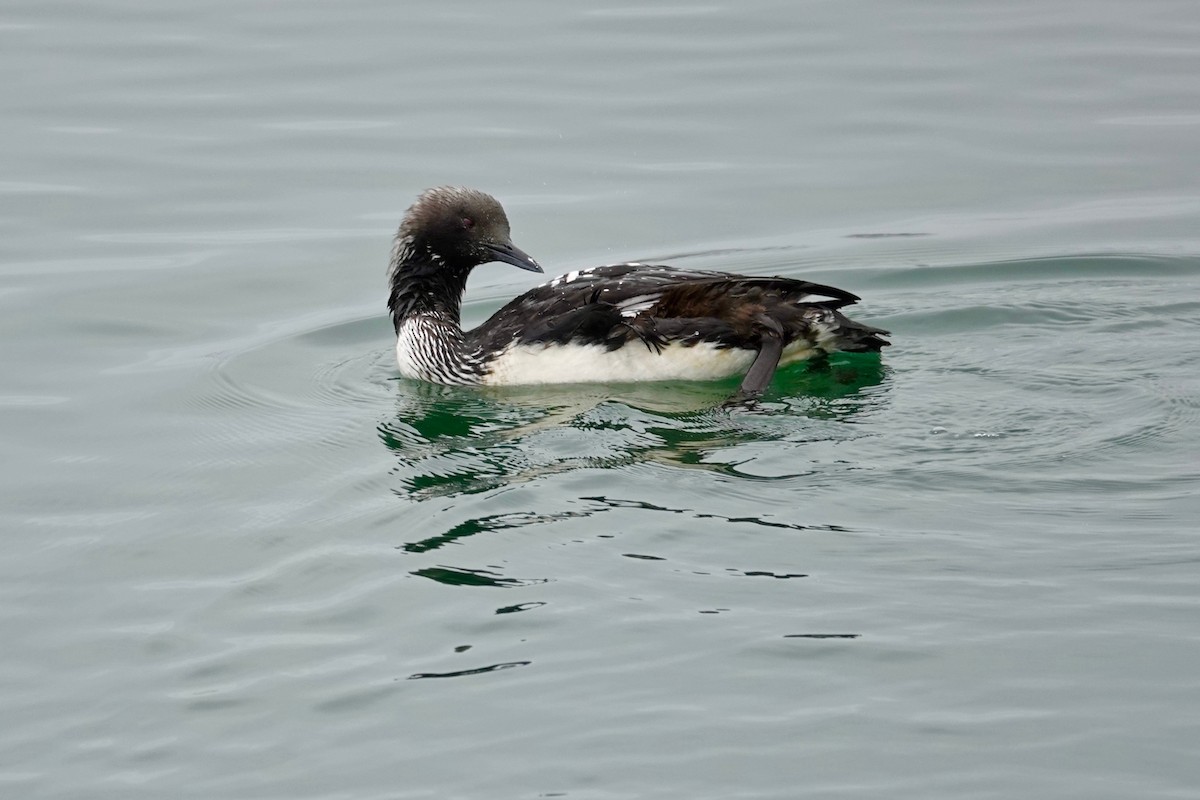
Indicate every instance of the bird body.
{"type": "Point", "coordinates": [616, 323]}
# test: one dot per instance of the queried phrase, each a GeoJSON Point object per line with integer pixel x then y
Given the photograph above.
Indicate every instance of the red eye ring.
{"type": "Point", "coordinates": [468, 223]}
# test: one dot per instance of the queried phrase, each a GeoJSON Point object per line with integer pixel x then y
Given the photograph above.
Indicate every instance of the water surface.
{"type": "Point", "coordinates": [243, 559]}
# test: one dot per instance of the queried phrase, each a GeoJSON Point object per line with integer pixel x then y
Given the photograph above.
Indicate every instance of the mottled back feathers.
{"type": "Point", "coordinates": [622, 303]}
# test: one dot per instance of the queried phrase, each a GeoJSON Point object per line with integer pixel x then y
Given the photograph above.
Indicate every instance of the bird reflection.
{"type": "Point", "coordinates": [452, 440]}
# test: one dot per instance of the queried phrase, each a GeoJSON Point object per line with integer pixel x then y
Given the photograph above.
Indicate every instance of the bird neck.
{"type": "Point", "coordinates": [426, 303]}
{"type": "Point", "coordinates": [424, 284]}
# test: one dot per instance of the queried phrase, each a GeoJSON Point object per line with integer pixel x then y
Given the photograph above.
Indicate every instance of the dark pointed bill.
{"type": "Point", "coordinates": [511, 254]}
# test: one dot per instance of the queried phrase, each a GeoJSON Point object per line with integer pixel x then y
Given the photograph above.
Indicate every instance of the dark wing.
{"type": "Point", "coordinates": [611, 304]}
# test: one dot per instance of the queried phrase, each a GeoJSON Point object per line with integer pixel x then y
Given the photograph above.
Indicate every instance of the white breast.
{"type": "Point", "coordinates": [574, 363]}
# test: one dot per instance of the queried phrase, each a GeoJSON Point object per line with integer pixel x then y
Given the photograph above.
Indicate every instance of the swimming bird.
{"type": "Point", "coordinates": [614, 323]}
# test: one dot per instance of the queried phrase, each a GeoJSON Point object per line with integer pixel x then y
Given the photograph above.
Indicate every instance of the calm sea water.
{"type": "Point", "coordinates": [242, 559]}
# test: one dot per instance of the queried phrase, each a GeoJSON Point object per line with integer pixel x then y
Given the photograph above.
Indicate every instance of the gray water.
{"type": "Point", "coordinates": [242, 559]}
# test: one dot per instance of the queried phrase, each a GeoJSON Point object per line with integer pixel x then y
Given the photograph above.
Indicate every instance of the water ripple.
{"type": "Point", "coordinates": [475, 671]}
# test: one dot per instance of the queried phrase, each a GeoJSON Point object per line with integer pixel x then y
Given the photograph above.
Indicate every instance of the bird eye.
{"type": "Point", "coordinates": [468, 223]}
